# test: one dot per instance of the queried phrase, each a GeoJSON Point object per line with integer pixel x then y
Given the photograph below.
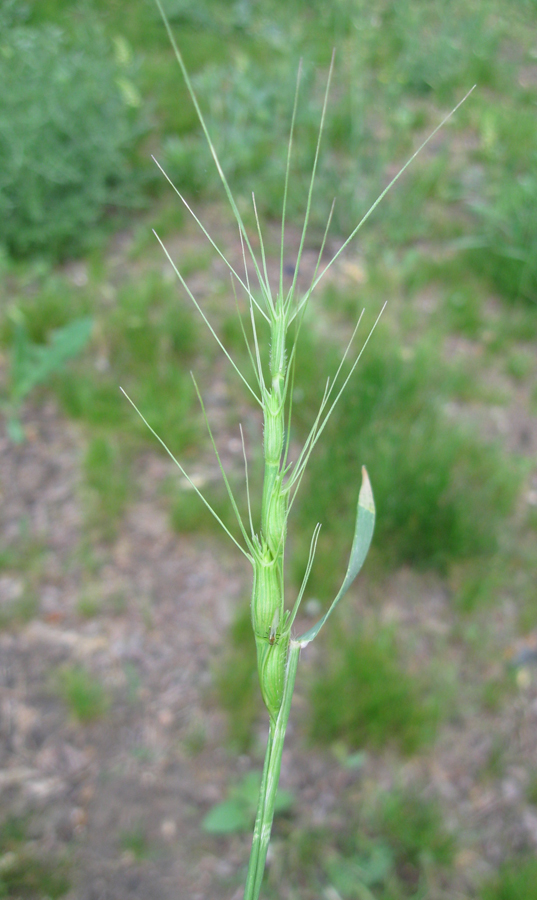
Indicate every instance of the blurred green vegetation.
{"type": "Point", "coordinates": [442, 494]}
{"type": "Point", "coordinates": [84, 695]}
{"type": "Point", "coordinates": [517, 880]}
{"type": "Point", "coordinates": [361, 694]}
{"type": "Point", "coordinates": [108, 479]}
{"type": "Point", "coordinates": [236, 681]}
{"type": "Point", "coordinates": [25, 873]}
{"type": "Point", "coordinates": [91, 94]}
{"type": "Point", "coordinates": [237, 812]}
{"type": "Point", "coordinates": [68, 128]}
{"type": "Point", "coordinates": [396, 67]}
{"type": "Point", "coordinates": [398, 847]}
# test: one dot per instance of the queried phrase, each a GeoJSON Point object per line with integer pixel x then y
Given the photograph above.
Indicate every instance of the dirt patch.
{"type": "Point", "coordinates": [124, 795]}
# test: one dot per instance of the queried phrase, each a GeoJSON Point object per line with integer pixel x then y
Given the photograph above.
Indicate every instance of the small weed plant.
{"type": "Point", "coordinates": [280, 308]}
{"type": "Point", "coordinates": [135, 843]}
{"type": "Point", "coordinates": [84, 695]}
{"type": "Point", "coordinates": [238, 811]}
{"type": "Point", "coordinates": [23, 873]}
{"type": "Point", "coordinates": [32, 364]}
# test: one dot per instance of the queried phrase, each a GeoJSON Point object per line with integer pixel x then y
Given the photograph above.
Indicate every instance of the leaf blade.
{"type": "Point", "coordinates": [363, 534]}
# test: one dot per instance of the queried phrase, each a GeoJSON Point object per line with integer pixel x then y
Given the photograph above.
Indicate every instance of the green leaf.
{"type": "Point", "coordinates": [355, 876]}
{"type": "Point", "coordinates": [284, 801]}
{"type": "Point", "coordinates": [15, 430]}
{"type": "Point", "coordinates": [246, 790]}
{"type": "Point", "coordinates": [32, 364]}
{"type": "Point", "coordinates": [237, 813]}
{"type": "Point", "coordinates": [376, 867]}
{"type": "Point", "coordinates": [227, 817]}
{"type": "Point", "coordinates": [355, 760]}
{"type": "Point", "coordinates": [363, 533]}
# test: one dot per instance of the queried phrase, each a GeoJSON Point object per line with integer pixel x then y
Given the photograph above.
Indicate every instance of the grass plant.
{"type": "Point", "coordinates": [396, 419]}
{"type": "Point", "coordinates": [516, 880]}
{"type": "Point", "coordinates": [84, 695]}
{"type": "Point", "coordinates": [363, 696]}
{"type": "Point", "coordinates": [106, 471]}
{"type": "Point", "coordinates": [415, 829]}
{"type": "Point", "coordinates": [504, 249]}
{"type": "Point", "coordinates": [236, 681]}
{"type": "Point", "coordinates": [280, 309]}
{"type": "Point", "coordinates": [23, 873]}
{"type": "Point", "coordinates": [19, 611]}
{"type": "Point", "coordinates": [135, 843]}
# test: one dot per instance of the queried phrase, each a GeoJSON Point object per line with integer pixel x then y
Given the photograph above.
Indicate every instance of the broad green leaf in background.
{"type": "Point", "coordinates": [237, 812]}
{"type": "Point", "coordinates": [354, 877]}
{"type": "Point", "coordinates": [32, 364]}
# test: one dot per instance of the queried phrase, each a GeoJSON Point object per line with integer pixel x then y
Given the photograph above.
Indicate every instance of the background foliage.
{"type": "Point", "coordinates": [441, 409]}
{"type": "Point", "coordinates": [67, 133]}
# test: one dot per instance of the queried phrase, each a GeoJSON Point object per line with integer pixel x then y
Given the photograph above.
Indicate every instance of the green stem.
{"type": "Point", "coordinates": [256, 842]}
{"type": "Point", "coordinates": [269, 783]}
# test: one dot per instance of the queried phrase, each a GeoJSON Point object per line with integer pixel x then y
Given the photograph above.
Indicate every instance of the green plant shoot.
{"type": "Point", "coordinates": [281, 311]}
{"type": "Point", "coordinates": [32, 364]}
